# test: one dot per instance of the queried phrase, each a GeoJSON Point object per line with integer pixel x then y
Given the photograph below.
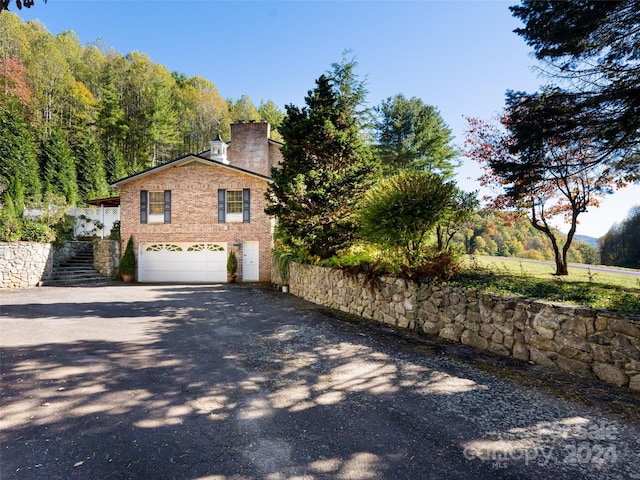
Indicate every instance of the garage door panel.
{"type": "Point", "coordinates": [183, 262]}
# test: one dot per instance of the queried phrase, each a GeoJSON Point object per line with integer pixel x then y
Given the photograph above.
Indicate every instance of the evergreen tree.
{"type": "Point", "coordinates": [57, 166]}
{"type": "Point", "coordinates": [163, 127]}
{"type": "Point", "coordinates": [138, 102]}
{"type": "Point", "coordinates": [18, 160]}
{"type": "Point", "coordinates": [592, 50]}
{"type": "Point", "coordinates": [352, 92]}
{"type": "Point", "coordinates": [92, 180]}
{"type": "Point", "coordinates": [621, 244]}
{"type": "Point", "coordinates": [113, 129]}
{"type": "Point", "coordinates": [412, 134]}
{"type": "Point", "coordinates": [326, 169]}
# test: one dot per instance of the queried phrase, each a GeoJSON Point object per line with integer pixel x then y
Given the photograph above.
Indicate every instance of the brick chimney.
{"type": "Point", "coordinates": [249, 147]}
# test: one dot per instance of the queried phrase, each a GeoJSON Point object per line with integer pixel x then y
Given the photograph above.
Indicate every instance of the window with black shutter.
{"type": "Point", "coordinates": [155, 206]}
{"type": "Point", "coordinates": [143, 206]}
{"type": "Point", "coordinates": [234, 205]}
{"type": "Point", "coordinates": [222, 201]}
{"type": "Point", "coordinates": [246, 205]}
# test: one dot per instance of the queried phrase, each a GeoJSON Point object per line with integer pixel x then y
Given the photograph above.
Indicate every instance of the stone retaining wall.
{"type": "Point", "coordinates": [580, 340]}
{"type": "Point", "coordinates": [24, 264]}
{"type": "Point", "coordinates": [106, 257]}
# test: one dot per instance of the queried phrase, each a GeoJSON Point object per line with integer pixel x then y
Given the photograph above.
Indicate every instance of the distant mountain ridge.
{"type": "Point", "coordinates": [594, 242]}
{"type": "Point", "coordinates": [496, 233]}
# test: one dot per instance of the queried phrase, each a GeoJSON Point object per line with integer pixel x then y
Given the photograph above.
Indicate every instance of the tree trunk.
{"type": "Point", "coordinates": [560, 257]}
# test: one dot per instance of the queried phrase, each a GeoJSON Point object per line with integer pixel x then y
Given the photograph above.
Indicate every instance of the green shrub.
{"type": "Point", "coordinates": [10, 228]}
{"type": "Point", "coordinates": [37, 232]}
{"type": "Point", "coordinates": [63, 227]}
{"type": "Point", "coordinates": [128, 261]}
{"type": "Point", "coordinates": [283, 258]}
{"type": "Point", "coordinates": [232, 264]}
{"type": "Point", "coordinates": [434, 267]}
{"type": "Point", "coordinates": [115, 231]}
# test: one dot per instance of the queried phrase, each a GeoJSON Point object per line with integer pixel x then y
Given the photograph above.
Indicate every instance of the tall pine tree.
{"type": "Point", "coordinates": [111, 123]}
{"type": "Point", "coordinates": [411, 134]}
{"type": "Point", "coordinates": [57, 167]}
{"type": "Point", "coordinates": [325, 170]}
{"type": "Point", "coordinates": [18, 161]}
{"type": "Point", "coordinates": [92, 181]}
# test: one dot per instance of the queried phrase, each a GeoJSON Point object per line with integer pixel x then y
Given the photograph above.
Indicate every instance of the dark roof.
{"type": "Point", "coordinates": [182, 159]}
{"type": "Point", "coordinates": [105, 202]}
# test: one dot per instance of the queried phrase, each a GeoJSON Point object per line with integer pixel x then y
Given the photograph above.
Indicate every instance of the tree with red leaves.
{"type": "Point", "coordinates": [536, 173]}
{"type": "Point", "coordinates": [13, 81]}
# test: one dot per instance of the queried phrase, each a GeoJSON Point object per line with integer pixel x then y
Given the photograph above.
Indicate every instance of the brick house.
{"type": "Point", "coordinates": [188, 214]}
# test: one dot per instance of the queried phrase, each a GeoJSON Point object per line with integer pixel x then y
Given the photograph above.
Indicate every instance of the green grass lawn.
{"type": "Point", "coordinates": [581, 287]}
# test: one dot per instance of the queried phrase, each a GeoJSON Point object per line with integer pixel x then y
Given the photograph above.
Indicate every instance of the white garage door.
{"type": "Point", "coordinates": [183, 262]}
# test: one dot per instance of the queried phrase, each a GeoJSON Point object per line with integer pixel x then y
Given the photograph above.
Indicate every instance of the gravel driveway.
{"type": "Point", "coordinates": [243, 382]}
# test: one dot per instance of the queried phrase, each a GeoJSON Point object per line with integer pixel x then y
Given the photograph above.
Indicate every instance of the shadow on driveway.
{"type": "Point", "coordinates": [241, 382]}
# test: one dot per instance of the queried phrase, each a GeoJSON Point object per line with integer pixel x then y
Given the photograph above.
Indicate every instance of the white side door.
{"type": "Point", "coordinates": [250, 261]}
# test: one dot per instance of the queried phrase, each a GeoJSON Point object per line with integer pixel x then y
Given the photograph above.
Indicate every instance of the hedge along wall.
{"type": "Point", "coordinates": [24, 264]}
{"type": "Point", "coordinates": [575, 339]}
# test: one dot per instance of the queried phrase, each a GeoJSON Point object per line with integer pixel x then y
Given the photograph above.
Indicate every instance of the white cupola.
{"type": "Point", "coordinates": [219, 150]}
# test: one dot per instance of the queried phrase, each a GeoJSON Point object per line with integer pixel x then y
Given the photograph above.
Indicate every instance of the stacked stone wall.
{"type": "Point", "coordinates": [24, 264]}
{"type": "Point", "coordinates": [106, 257]}
{"type": "Point", "coordinates": [579, 340]}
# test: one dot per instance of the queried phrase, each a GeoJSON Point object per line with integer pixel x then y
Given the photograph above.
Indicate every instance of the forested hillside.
{"type": "Point", "coordinates": [75, 117]}
{"type": "Point", "coordinates": [502, 234]}
{"type": "Point", "coordinates": [621, 245]}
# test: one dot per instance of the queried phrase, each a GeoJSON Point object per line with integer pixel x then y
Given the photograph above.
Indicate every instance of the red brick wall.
{"type": "Point", "coordinates": [275, 155]}
{"type": "Point", "coordinates": [249, 148]}
{"type": "Point", "coordinates": [194, 210]}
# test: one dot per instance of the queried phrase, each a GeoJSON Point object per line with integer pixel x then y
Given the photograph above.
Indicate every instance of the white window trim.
{"type": "Point", "coordinates": [233, 217]}
{"type": "Point", "coordinates": [154, 217]}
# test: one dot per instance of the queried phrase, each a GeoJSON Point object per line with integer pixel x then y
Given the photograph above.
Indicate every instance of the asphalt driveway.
{"type": "Point", "coordinates": [243, 382]}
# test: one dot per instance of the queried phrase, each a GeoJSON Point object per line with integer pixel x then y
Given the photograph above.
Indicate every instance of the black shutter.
{"type": "Point", "coordinates": [143, 206]}
{"type": "Point", "coordinates": [167, 206]}
{"type": "Point", "coordinates": [222, 207]}
{"type": "Point", "coordinates": [246, 205]}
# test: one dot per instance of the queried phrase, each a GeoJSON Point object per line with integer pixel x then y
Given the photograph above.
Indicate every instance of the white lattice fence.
{"type": "Point", "coordinates": [88, 219]}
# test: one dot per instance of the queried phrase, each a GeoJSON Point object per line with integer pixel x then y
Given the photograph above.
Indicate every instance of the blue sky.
{"type": "Point", "coordinates": [460, 56]}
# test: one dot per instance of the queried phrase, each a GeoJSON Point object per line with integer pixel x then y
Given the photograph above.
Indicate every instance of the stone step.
{"type": "Point", "coordinates": [78, 275]}
{"type": "Point", "coordinates": [73, 268]}
{"type": "Point", "coordinates": [75, 282]}
{"type": "Point", "coordinates": [77, 271]}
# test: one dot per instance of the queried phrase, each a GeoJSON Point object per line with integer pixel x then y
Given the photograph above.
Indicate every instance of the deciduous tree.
{"type": "Point", "coordinates": [532, 172]}
{"type": "Point", "coordinates": [274, 116]}
{"type": "Point", "coordinates": [244, 109]}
